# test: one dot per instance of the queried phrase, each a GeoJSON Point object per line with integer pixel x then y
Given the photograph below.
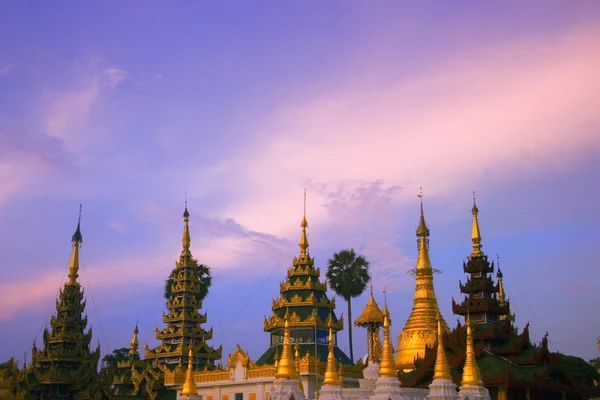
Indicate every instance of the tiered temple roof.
{"type": "Point", "coordinates": [184, 321]}
{"type": "Point", "coordinates": [511, 366]}
{"type": "Point", "coordinates": [420, 329]}
{"type": "Point", "coordinates": [66, 367]}
{"type": "Point", "coordinates": [303, 296]}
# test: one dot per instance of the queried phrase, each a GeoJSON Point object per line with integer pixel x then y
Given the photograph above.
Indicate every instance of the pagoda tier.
{"type": "Point", "coordinates": [509, 371]}
{"type": "Point", "coordinates": [484, 300]}
{"type": "Point", "coordinates": [303, 297]}
{"type": "Point", "coordinates": [184, 321]}
{"type": "Point", "coordinates": [420, 329]}
{"type": "Point", "coordinates": [66, 367]}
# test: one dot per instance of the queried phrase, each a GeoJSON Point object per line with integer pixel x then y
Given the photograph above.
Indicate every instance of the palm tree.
{"type": "Point", "coordinates": [348, 275]}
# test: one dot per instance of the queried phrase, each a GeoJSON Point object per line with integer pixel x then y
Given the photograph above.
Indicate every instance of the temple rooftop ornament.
{"type": "Point", "coordinates": [420, 329]}
{"type": "Point", "coordinates": [372, 319]}
{"type": "Point", "coordinates": [387, 366]}
{"type": "Point", "coordinates": [189, 388]}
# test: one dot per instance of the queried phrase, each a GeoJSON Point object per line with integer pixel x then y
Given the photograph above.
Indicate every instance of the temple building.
{"type": "Point", "coordinates": [65, 367]}
{"type": "Point", "coordinates": [304, 296]}
{"type": "Point", "coordinates": [511, 365]}
{"type": "Point", "coordinates": [184, 321]}
{"type": "Point", "coordinates": [420, 329]}
{"type": "Point", "coordinates": [303, 310]}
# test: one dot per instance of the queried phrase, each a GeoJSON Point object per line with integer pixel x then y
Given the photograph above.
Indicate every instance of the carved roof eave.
{"type": "Point", "coordinates": [274, 322]}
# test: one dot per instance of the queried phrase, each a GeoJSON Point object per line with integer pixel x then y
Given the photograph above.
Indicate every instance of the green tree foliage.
{"type": "Point", "coordinates": [204, 280]}
{"type": "Point", "coordinates": [118, 355]}
{"type": "Point", "coordinates": [348, 276]}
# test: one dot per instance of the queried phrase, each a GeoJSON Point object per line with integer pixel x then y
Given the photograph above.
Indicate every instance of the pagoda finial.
{"type": "Point", "coordinates": [303, 237]}
{"type": "Point", "coordinates": [423, 261]}
{"type": "Point", "coordinates": [371, 282]}
{"type": "Point", "coordinates": [471, 375]}
{"type": "Point", "coordinates": [286, 368]}
{"type": "Point", "coordinates": [476, 234]}
{"type": "Point", "coordinates": [387, 366]}
{"type": "Point", "coordinates": [501, 292]}
{"type": "Point", "coordinates": [134, 345]}
{"type": "Point", "coordinates": [189, 386]}
{"type": "Point", "coordinates": [442, 369]}
{"type": "Point", "coordinates": [331, 377]}
{"type": "Point", "coordinates": [77, 239]}
{"type": "Point", "coordinates": [185, 240]}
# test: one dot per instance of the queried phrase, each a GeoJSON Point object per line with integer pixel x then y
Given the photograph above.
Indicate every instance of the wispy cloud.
{"type": "Point", "coordinates": [115, 76]}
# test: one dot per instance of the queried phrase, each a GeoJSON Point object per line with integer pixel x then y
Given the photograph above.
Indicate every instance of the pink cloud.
{"type": "Point", "coordinates": [502, 112]}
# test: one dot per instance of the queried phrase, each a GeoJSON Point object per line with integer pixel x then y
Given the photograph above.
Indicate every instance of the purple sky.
{"type": "Point", "coordinates": [125, 107]}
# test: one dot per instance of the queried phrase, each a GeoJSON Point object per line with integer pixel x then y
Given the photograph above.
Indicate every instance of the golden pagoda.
{"type": "Point", "coordinates": [66, 367]}
{"type": "Point", "coordinates": [331, 377]}
{"type": "Point", "coordinates": [421, 327]}
{"type": "Point", "coordinates": [303, 295]}
{"type": "Point", "coordinates": [471, 375]}
{"type": "Point", "coordinates": [441, 369]}
{"type": "Point", "coordinates": [189, 388]}
{"type": "Point", "coordinates": [184, 321]}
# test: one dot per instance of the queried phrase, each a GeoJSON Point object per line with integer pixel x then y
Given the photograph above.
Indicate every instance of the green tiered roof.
{"type": "Point", "coordinates": [481, 300]}
{"type": "Point", "coordinates": [184, 321]}
{"type": "Point", "coordinates": [66, 367]}
{"type": "Point", "coordinates": [304, 297]}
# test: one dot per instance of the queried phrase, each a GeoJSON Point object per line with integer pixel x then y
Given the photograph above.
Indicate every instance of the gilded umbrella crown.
{"type": "Point", "coordinates": [372, 314]}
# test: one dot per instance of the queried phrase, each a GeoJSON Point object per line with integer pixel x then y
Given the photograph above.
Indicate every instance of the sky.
{"type": "Point", "coordinates": [129, 108]}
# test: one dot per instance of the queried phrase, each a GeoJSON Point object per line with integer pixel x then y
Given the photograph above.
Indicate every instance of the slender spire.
{"type": "Point", "coordinates": [423, 261]}
{"type": "Point", "coordinates": [476, 234]}
{"type": "Point", "coordinates": [134, 345]}
{"type": "Point", "coordinates": [77, 239]}
{"type": "Point", "coordinates": [442, 369]}
{"type": "Point", "coordinates": [501, 292]}
{"type": "Point", "coordinates": [303, 237]}
{"type": "Point", "coordinates": [471, 375]}
{"type": "Point", "coordinates": [185, 240]}
{"type": "Point", "coordinates": [331, 374]}
{"type": "Point", "coordinates": [189, 386]}
{"type": "Point", "coordinates": [286, 368]}
{"type": "Point", "coordinates": [387, 366]}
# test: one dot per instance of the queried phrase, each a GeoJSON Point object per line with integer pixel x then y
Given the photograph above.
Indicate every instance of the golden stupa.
{"type": "Point", "coordinates": [420, 330]}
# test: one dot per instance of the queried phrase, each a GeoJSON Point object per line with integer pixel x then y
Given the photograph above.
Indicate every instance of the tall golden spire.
{"type": "Point", "coordinates": [442, 369]}
{"type": "Point", "coordinates": [476, 234]}
{"type": "Point", "coordinates": [423, 261]}
{"type": "Point", "coordinates": [501, 292]}
{"type": "Point", "coordinates": [421, 327]}
{"type": "Point", "coordinates": [77, 239]}
{"type": "Point", "coordinates": [331, 374]}
{"type": "Point", "coordinates": [189, 386]}
{"type": "Point", "coordinates": [134, 345]}
{"type": "Point", "coordinates": [387, 366]}
{"type": "Point", "coordinates": [471, 375]}
{"type": "Point", "coordinates": [303, 237]}
{"type": "Point", "coordinates": [286, 368]}
{"type": "Point", "coordinates": [185, 240]}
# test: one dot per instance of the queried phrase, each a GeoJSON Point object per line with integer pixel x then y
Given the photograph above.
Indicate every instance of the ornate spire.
{"type": "Point", "coordinates": [134, 345]}
{"type": "Point", "coordinates": [442, 369]}
{"type": "Point", "coordinates": [471, 375]}
{"type": "Point", "coordinates": [423, 261]}
{"type": "Point", "coordinates": [189, 386]}
{"type": "Point", "coordinates": [77, 239]}
{"type": "Point", "coordinates": [501, 292]}
{"type": "Point", "coordinates": [387, 367]}
{"type": "Point", "coordinates": [331, 374]}
{"type": "Point", "coordinates": [372, 314]}
{"type": "Point", "coordinates": [420, 329]}
{"type": "Point", "coordinates": [286, 368]}
{"type": "Point", "coordinates": [476, 234]}
{"type": "Point", "coordinates": [303, 237]}
{"type": "Point", "coordinates": [185, 240]}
